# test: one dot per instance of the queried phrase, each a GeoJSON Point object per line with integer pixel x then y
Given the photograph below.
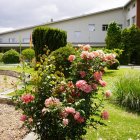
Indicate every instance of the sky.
{"type": "Point", "coordinates": [16, 14]}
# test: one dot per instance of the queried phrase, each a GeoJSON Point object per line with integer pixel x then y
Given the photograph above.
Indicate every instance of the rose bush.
{"type": "Point", "coordinates": [59, 108]}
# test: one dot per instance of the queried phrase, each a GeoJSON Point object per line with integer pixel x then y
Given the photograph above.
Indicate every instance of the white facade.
{"type": "Point", "coordinates": [85, 29]}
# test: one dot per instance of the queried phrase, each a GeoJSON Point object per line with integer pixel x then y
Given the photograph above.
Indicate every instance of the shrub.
{"type": "Point", "coordinates": [113, 38]}
{"type": "Point", "coordinates": [11, 57]}
{"type": "Point", "coordinates": [61, 58]}
{"type": "Point", "coordinates": [60, 109]}
{"type": "Point", "coordinates": [114, 66]}
{"type": "Point", "coordinates": [28, 54]}
{"type": "Point", "coordinates": [45, 37]}
{"type": "Point", "coordinates": [1, 55]}
{"type": "Point", "coordinates": [127, 90]}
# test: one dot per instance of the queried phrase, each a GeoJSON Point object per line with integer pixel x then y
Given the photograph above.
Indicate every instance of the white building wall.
{"type": "Point", "coordinates": [81, 24]}
{"type": "Point", "coordinates": [77, 28]}
{"type": "Point", "coordinates": [130, 12]}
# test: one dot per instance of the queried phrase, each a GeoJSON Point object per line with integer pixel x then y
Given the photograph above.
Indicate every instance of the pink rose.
{"type": "Point", "coordinates": [86, 47]}
{"type": "Point", "coordinates": [108, 93]}
{"type": "Point", "coordinates": [102, 83]}
{"type": "Point", "coordinates": [86, 88]}
{"type": "Point", "coordinates": [23, 118]}
{"type": "Point", "coordinates": [94, 86]}
{"type": "Point", "coordinates": [52, 102]}
{"type": "Point", "coordinates": [71, 58]}
{"type": "Point", "coordinates": [70, 110]}
{"type": "Point", "coordinates": [83, 74]}
{"type": "Point", "coordinates": [78, 117]}
{"type": "Point", "coordinates": [27, 98]}
{"type": "Point", "coordinates": [65, 122]}
{"type": "Point", "coordinates": [105, 115]}
{"type": "Point", "coordinates": [84, 55]}
{"type": "Point", "coordinates": [97, 75]}
{"type": "Point", "coordinates": [80, 83]}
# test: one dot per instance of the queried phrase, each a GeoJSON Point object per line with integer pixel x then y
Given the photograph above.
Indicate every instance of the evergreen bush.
{"type": "Point", "coordinates": [28, 54]}
{"type": "Point", "coordinates": [48, 38]}
{"type": "Point", "coordinates": [1, 55]}
{"type": "Point", "coordinates": [11, 57]}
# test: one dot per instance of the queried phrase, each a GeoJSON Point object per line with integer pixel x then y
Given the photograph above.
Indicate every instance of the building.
{"type": "Point", "coordinates": [86, 29]}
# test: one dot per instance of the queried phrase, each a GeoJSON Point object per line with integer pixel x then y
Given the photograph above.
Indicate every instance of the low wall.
{"type": "Point", "coordinates": [10, 73]}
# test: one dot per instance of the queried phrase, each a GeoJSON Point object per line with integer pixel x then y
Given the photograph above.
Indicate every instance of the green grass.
{"type": "Point", "coordinates": [121, 125]}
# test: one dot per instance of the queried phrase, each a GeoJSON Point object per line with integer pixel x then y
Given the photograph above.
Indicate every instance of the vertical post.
{"type": "Point", "coordinates": [138, 13]}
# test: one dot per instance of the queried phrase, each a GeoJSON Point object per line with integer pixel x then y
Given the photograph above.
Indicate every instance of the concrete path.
{"type": "Point", "coordinates": [30, 136]}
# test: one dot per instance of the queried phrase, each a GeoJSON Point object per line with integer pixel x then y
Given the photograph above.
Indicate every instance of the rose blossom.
{"type": "Point", "coordinates": [97, 75]}
{"type": "Point", "coordinates": [84, 55]}
{"type": "Point", "coordinates": [82, 73]}
{"type": "Point", "coordinates": [69, 110]}
{"type": "Point", "coordinates": [86, 88]}
{"type": "Point", "coordinates": [105, 115]}
{"type": "Point", "coordinates": [108, 93]}
{"type": "Point", "coordinates": [94, 86]}
{"type": "Point", "coordinates": [86, 47]}
{"type": "Point", "coordinates": [71, 58]}
{"type": "Point", "coordinates": [80, 83]}
{"type": "Point", "coordinates": [23, 118]}
{"type": "Point", "coordinates": [65, 122]}
{"type": "Point", "coordinates": [102, 83]}
{"type": "Point", "coordinates": [52, 102]}
{"type": "Point", "coordinates": [27, 98]}
{"type": "Point", "coordinates": [78, 117]}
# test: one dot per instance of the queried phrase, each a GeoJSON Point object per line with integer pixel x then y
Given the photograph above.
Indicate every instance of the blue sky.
{"type": "Point", "coordinates": [21, 13]}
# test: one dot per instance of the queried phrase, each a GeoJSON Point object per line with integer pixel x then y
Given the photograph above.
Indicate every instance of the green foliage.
{"type": "Point", "coordinates": [11, 57]}
{"type": "Point", "coordinates": [113, 38]}
{"type": "Point", "coordinates": [127, 90]}
{"type": "Point", "coordinates": [1, 55]}
{"type": "Point", "coordinates": [114, 66]}
{"type": "Point", "coordinates": [131, 44]}
{"type": "Point", "coordinates": [48, 38]}
{"type": "Point", "coordinates": [28, 54]}
{"type": "Point", "coordinates": [61, 58]}
{"type": "Point", "coordinates": [60, 108]}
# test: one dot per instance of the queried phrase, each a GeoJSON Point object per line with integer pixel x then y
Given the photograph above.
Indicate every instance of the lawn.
{"type": "Point", "coordinates": [122, 125]}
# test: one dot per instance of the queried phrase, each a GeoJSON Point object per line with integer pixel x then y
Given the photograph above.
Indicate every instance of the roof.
{"type": "Point", "coordinates": [128, 3]}
{"type": "Point", "coordinates": [62, 20]}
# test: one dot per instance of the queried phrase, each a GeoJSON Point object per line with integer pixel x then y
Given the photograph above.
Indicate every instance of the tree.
{"type": "Point", "coordinates": [113, 38]}
{"type": "Point", "coordinates": [131, 44]}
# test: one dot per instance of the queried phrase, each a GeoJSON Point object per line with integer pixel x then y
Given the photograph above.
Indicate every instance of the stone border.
{"type": "Point", "coordinates": [10, 73]}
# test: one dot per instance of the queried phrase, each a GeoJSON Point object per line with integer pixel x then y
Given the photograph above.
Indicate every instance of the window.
{"type": "Point", "coordinates": [128, 22]}
{"type": "Point", "coordinates": [12, 40]}
{"type": "Point", "coordinates": [77, 34]}
{"type": "Point", "coordinates": [134, 20]}
{"type": "Point", "coordinates": [133, 6]}
{"type": "Point", "coordinates": [0, 40]}
{"type": "Point", "coordinates": [128, 9]}
{"type": "Point", "coordinates": [91, 27]}
{"type": "Point", "coordinates": [104, 27]}
{"type": "Point", "coordinates": [26, 40]}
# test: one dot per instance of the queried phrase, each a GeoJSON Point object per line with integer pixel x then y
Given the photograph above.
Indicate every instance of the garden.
{"type": "Point", "coordinates": [74, 93]}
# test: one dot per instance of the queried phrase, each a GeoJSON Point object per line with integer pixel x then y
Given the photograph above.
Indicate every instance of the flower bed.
{"type": "Point", "coordinates": [60, 108]}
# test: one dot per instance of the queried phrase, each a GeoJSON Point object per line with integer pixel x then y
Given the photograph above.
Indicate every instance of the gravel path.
{"type": "Point", "coordinates": [11, 128]}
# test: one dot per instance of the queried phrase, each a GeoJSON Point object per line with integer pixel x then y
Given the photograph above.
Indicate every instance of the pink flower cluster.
{"type": "Point", "coordinates": [23, 118]}
{"type": "Point", "coordinates": [97, 75]}
{"type": "Point", "coordinates": [108, 93]}
{"type": "Point", "coordinates": [85, 47]}
{"type": "Point", "coordinates": [82, 85]}
{"type": "Point", "coordinates": [27, 98]}
{"type": "Point", "coordinates": [52, 102]}
{"type": "Point", "coordinates": [71, 58]}
{"type": "Point", "coordinates": [82, 74]}
{"type": "Point", "coordinates": [109, 57]}
{"type": "Point", "coordinates": [70, 110]}
{"type": "Point", "coordinates": [105, 115]}
{"type": "Point", "coordinates": [87, 55]}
